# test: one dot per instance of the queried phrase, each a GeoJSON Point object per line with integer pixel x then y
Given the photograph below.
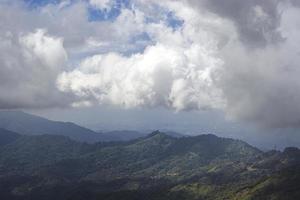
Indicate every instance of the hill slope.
{"type": "Point", "coordinates": [27, 124]}
{"type": "Point", "coordinates": [157, 166]}
{"type": "Point", "coordinates": [7, 137]}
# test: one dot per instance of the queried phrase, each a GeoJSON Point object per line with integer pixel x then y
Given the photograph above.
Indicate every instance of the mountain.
{"type": "Point", "coordinates": [27, 124]}
{"type": "Point", "coordinates": [126, 135]}
{"type": "Point", "coordinates": [157, 148]}
{"type": "Point", "coordinates": [157, 166]}
{"type": "Point", "coordinates": [7, 137]}
{"type": "Point", "coordinates": [174, 134]}
{"type": "Point", "coordinates": [282, 185]}
{"type": "Point", "coordinates": [121, 135]}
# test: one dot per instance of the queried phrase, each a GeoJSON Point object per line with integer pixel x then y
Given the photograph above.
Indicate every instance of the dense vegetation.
{"type": "Point", "coordinates": [157, 166]}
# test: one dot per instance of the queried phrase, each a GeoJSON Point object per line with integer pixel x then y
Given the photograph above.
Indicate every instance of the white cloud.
{"type": "Point", "coordinates": [29, 65]}
{"type": "Point", "coordinates": [262, 85]}
{"type": "Point", "coordinates": [209, 62]}
{"type": "Point", "coordinates": [238, 56]}
{"type": "Point", "coordinates": [48, 50]}
{"type": "Point", "coordinates": [175, 72]}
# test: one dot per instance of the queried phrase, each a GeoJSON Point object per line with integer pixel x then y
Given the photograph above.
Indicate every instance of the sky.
{"type": "Point", "coordinates": [226, 67]}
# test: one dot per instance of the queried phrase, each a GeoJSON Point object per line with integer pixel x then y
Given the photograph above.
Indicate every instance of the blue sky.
{"type": "Point", "coordinates": [39, 3]}
{"type": "Point", "coordinates": [96, 14]}
{"type": "Point", "coordinates": [111, 14]}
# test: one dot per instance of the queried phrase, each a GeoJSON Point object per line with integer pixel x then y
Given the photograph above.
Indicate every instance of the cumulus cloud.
{"type": "Point", "coordinates": [175, 72]}
{"type": "Point", "coordinates": [262, 85]}
{"type": "Point", "coordinates": [29, 64]}
{"type": "Point", "coordinates": [256, 21]}
{"type": "Point", "coordinates": [37, 44]}
{"type": "Point", "coordinates": [237, 56]}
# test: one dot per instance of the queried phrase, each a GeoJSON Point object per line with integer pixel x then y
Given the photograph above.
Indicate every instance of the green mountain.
{"type": "Point", "coordinates": [281, 185]}
{"type": "Point", "coordinates": [157, 166]}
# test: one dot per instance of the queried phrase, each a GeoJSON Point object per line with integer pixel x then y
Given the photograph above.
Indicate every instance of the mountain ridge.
{"type": "Point", "coordinates": [28, 124]}
{"type": "Point", "coordinates": [158, 166]}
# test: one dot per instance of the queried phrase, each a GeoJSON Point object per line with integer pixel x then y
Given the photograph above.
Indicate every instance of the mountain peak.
{"type": "Point", "coordinates": [212, 136]}
{"type": "Point", "coordinates": [158, 133]}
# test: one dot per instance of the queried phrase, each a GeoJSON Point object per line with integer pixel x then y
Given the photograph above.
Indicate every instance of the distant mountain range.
{"type": "Point", "coordinates": [127, 135]}
{"type": "Point", "coordinates": [28, 124]}
{"type": "Point", "coordinates": [157, 167]}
